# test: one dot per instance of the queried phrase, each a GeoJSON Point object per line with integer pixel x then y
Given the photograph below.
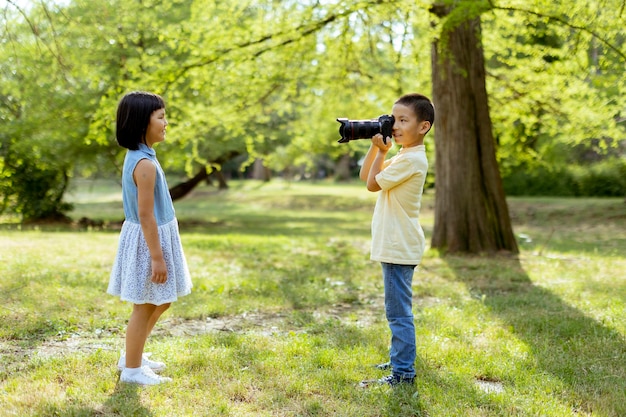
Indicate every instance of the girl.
{"type": "Point", "coordinates": [150, 269]}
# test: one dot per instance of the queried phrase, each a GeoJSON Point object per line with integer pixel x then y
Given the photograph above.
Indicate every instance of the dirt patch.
{"type": "Point", "coordinates": [490, 387]}
{"type": "Point", "coordinates": [16, 357]}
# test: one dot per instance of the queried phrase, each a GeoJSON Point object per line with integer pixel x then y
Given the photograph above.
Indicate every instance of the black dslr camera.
{"type": "Point", "coordinates": [365, 129]}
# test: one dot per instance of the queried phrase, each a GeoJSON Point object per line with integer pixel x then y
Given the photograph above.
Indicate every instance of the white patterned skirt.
{"type": "Point", "coordinates": [130, 278]}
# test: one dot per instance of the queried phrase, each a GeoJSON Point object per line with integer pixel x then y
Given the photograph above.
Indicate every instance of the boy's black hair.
{"type": "Point", "coordinates": [133, 117]}
{"type": "Point", "coordinates": [421, 105]}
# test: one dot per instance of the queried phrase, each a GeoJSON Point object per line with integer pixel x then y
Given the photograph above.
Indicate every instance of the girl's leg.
{"type": "Point", "coordinates": [156, 315]}
{"type": "Point", "coordinates": [137, 332]}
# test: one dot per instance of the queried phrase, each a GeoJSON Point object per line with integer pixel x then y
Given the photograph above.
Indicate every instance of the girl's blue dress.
{"type": "Point", "coordinates": [130, 278]}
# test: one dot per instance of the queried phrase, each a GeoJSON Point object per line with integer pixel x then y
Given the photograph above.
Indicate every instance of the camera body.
{"type": "Point", "coordinates": [365, 129]}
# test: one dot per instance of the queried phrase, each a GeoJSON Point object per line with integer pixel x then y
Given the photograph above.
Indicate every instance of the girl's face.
{"type": "Point", "coordinates": [155, 132]}
{"type": "Point", "coordinates": [407, 130]}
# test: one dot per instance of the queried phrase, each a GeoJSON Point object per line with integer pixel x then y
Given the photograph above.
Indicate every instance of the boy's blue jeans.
{"type": "Point", "coordinates": [399, 312]}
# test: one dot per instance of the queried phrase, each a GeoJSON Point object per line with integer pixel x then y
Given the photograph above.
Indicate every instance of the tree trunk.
{"type": "Point", "coordinates": [342, 168]}
{"type": "Point", "coordinates": [471, 213]}
{"type": "Point", "coordinates": [180, 190]}
{"type": "Point", "coordinates": [221, 181]}
{"type": "Point", "coordinates": [260, 171]}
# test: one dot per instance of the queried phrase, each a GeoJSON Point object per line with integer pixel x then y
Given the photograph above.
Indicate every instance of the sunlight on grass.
{"type": "Point", "coordinates": [286, 315]}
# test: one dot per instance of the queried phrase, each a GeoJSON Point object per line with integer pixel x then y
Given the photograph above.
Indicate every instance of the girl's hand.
{"type": "Point", "coordinates": [159, 271]}
{"type": "Point", "coordinates": [377, 140]}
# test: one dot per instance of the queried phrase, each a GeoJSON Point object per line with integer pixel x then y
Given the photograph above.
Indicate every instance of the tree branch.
{"type": "Point", "coordinates": [292, 35]}
{"type": "Point", "coordinates": [35, 31]}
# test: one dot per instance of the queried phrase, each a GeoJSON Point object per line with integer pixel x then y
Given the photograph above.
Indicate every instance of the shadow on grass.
{"type": "Point", "coordinates": [266, 224]}
{"type": "Point", "coordinates": [124, 401]}
{"type": "Point", "coordinates": [588, 357]}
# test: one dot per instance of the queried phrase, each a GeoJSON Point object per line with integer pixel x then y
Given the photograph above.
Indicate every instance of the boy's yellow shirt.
{"type": "Point", "coordinates": [397, 236]}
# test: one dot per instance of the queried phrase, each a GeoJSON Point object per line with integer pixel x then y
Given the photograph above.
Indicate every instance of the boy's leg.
{"type": "Point", "coordinates": [137, 332]}
{"type": "Point", "coordinates": [399, 311]}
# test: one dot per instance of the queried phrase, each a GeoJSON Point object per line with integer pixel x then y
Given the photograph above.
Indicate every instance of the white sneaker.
{"type": "Point", "coordinates": [142, 376]}
{"type": "Point", "coordinates": [145, 361]}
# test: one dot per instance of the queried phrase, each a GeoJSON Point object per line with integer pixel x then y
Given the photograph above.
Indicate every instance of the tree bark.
{"type": "Point", "coordinates": [471, 213]}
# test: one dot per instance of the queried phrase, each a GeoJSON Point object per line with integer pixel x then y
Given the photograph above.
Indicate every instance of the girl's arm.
{"type": "Point", "coordinates": [145, 178]}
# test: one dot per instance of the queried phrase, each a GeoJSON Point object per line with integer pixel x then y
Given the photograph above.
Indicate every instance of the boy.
{"type": "Point", "coordinates": [397, 238]}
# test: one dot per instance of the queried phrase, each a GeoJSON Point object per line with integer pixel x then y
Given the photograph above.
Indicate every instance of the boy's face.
{"type": "Point", "coordinates": [407, 130]}
{"type": "Point", "coordinates": [156, 128]}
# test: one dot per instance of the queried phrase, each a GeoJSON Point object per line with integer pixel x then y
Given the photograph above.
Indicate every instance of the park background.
{"type": "Point", "coordinates": [522, 314]}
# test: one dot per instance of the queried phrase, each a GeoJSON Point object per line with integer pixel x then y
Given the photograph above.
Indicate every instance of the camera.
{"type": "Point", "coordinates": [365, 129]}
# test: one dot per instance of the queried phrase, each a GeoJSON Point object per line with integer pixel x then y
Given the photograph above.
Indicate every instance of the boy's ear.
{"type": "Point", "coordinates": [424, 127]}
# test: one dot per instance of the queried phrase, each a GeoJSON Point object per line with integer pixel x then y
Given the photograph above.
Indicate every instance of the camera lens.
{"type": "Point", "coordinates": [357, 129]}
{"type": "Point", "coordinates": [365, 129]}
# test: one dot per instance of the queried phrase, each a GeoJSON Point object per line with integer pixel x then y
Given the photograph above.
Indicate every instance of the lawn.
{"type": "Point", "coordinates": [286, 315]}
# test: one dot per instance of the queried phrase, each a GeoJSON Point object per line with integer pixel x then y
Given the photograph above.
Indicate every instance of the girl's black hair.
{"type": "Point", "coordinates": [133, 117]}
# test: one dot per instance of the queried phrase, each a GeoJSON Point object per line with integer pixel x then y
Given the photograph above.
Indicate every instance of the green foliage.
{"type": "Point", "coordinates": [601, 179]}
{"type": "Point", "coordinates": [45, 107]}
{"type": "Point", "coordinates": [267, 79]}
{"type": "Point", "coordinates": [554, 87]}
{"type": "Point", "coordinates": [240, 78]}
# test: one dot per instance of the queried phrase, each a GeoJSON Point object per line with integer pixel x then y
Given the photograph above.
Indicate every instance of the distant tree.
{"type": "Point", "coordinates": [42, 113]}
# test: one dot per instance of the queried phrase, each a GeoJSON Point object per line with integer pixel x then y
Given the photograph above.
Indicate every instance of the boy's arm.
{"type": "Point", "coordinates": [367, 162]}
{"type": "Point", "coordinates": [376, 154]}
{"type": "Point", "coordinates": [377, 166]}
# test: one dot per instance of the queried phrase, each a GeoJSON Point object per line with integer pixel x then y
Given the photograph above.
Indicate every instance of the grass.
{"type": "Point", "coordinates": [286, 315]}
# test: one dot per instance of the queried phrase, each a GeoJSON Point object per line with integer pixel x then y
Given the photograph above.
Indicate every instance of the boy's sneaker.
{"type": "Point", "coordinates": [145, 361]}
{"type": "Point", "coordinates": [389, 380]}
{"type": "Point", "coordinates": [142, 376]}
{"type": "Point", "coordinates": [383, 366]}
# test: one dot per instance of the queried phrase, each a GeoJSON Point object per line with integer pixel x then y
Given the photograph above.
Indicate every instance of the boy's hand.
{"type": "Point", "coordinates": [377, 140]}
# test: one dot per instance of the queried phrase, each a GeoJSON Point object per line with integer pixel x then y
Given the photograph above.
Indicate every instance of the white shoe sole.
{"type": "Point", "coordinates": [144, 377]}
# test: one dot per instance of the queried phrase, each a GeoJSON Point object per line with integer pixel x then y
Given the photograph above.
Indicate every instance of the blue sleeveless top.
{"type": "Point", "coordinates": [163, 206]}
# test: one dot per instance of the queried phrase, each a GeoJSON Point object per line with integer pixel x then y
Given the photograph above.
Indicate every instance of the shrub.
{"type": "Point", "coordinates": [601, 179]}
{"type": "Point", "coordinates": [34, 191]}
